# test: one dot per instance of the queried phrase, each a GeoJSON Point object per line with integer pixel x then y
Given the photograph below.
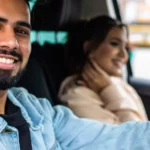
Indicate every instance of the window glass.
{"type": "Point", "coordinates": [45, 36]}
{"type": "Point", "coordinates": [33, 36]}
{"type": "Point", "coordinates": [136, 14]}
{"type": "Point", "coordinates": [32, 4]}
{"type": "Point", "coordinates": [61, 37]}
{"type": "Point", "coordinates": [50, 37]}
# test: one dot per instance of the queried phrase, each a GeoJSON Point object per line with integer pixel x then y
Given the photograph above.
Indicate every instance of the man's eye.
{"type": "Point", "coordinates": [21, 31]}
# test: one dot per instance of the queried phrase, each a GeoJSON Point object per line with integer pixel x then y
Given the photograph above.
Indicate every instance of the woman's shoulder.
{"type": "Point", "coordinates": [120, 82]}
{"type": "Point", "coordinates": [70, 90]}
{"type": "Point", "coordinates": [125, 85]}
{"type": "Point", "coordinates": [69, 84]}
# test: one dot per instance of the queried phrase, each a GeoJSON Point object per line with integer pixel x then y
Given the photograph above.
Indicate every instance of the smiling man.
{"type": "Point", "coordinates": [14, 53]}
{"type": "Point", "coordinates": [14, 41]}
{"type": "Point", "coordinates": [28, 123]}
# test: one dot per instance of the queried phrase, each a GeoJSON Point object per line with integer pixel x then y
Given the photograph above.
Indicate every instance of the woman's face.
{"type": "Point", "coordinates": [111, 54]}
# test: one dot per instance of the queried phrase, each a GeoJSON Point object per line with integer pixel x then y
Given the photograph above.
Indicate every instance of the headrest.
{"type": "Point", "coordinates": [52, 14]}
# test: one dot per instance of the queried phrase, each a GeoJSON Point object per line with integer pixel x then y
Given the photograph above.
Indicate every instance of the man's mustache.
{"type": "Point", "coordinates": [12, 53]}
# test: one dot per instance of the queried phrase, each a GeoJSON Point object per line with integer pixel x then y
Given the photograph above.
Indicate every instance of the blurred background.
{"type": "Point", "coordinates": [136, 13]}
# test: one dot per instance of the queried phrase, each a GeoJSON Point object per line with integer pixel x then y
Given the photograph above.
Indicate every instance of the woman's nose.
{"type": "Point", "coordinates": [123, 53]}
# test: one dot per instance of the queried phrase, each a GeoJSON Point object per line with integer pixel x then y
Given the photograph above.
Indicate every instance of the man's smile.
{"type": "Point", "coordinates": [7, 62]}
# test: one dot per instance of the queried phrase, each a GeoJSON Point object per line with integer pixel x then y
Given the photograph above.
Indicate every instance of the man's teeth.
{"type": "Point", "coordinates": [6, 61]}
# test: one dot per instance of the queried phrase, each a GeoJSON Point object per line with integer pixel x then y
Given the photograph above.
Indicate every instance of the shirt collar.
{"type": "Point", "coordinates": [20, 98]}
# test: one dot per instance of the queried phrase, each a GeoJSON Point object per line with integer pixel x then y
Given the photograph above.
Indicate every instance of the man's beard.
{"type": "Point", "coordinates": [7, 80]}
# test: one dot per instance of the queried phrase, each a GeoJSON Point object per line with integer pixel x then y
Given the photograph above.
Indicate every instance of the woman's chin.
{"type": "Point", "coordinates": [116, 73]}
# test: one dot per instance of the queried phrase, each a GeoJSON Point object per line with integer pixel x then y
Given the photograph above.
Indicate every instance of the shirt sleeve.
{"type": "Point", "coordinates": [74, 133]}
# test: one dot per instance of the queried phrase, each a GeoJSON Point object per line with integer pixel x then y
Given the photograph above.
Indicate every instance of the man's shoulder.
{"type": "Point", "coordinates": [22, 97]}
{"type": "Point", "coordinates": [16, 91]}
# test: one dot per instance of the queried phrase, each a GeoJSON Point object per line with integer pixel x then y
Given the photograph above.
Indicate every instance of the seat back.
{"type": "Point", "coordinates": [34, 80]}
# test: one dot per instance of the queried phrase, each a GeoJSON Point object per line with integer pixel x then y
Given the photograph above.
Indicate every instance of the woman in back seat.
{"type": "Point", "coordinates": [96, 55]}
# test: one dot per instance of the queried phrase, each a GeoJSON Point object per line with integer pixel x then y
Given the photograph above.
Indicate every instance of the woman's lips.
{"type": "Point", "coordinates": [117, 63]}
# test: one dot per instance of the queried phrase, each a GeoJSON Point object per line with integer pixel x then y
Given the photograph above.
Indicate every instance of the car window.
{"type": "Point", "coordinates": [50, 37]}
{"type": "Point", "coordinates": [136, 14]}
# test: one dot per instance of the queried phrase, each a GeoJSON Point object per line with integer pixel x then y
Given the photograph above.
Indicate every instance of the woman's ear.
{"type": "Point", "coordinates": [86, 46]}
{"type": "Point", "coordinates": [87, 49]}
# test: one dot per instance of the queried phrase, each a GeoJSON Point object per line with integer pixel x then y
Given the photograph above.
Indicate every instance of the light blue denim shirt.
{"type": "Point", "coordinates": [56, 128]}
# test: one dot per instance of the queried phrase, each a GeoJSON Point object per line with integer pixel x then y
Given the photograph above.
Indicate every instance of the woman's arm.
{"type": "Point", "coordinates": [120, 102]}
{"type": "Point", "coordinates": [85, 103]}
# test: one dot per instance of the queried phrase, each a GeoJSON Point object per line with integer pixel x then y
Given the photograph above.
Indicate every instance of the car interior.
{"type": "Point", "coordinates": [46, 68]}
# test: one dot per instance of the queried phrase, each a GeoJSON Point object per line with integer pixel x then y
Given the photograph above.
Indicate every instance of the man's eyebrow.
{"type": "Point", "coordinates": [25, 24]}
{"type": "Point", "coordinates": [3, 20]}
{"type": "Point", "coordinates": [20, 23]}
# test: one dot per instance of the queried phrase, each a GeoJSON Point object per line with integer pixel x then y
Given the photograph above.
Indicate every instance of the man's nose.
{"type": "Point", "coordinates": [8, 40]}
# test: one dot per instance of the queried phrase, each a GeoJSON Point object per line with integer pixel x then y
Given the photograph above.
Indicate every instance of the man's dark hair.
{"type": "Point", "coordinates": [27, 1]}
